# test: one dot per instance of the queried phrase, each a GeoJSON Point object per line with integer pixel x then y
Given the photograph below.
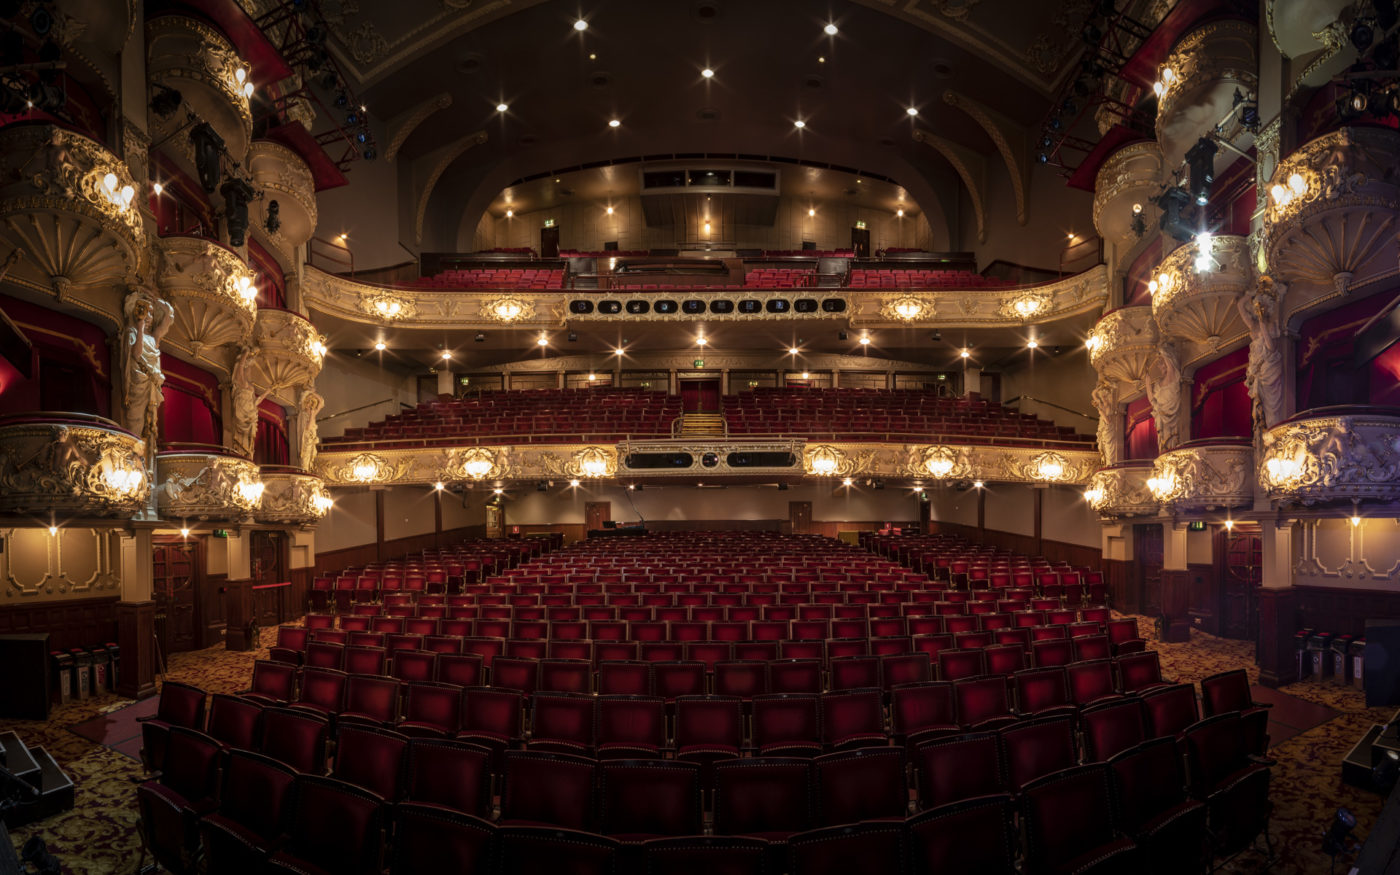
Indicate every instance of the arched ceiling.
{"type": "Point", "coordinates": [639, 61]}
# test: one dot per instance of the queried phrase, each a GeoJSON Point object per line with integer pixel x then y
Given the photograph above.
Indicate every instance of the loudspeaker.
{"type": "Point", "coordinates": [1382, 669]}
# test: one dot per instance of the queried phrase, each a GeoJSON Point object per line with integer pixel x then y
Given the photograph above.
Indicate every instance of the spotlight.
{"type": "Point", "coordinates": [912, 111]}
{"type": "Point", "coordinates": [1172, 202]}
{"type": "Point", "coordinates": [580, 25]}
{"type": "Point", "coordinates": [274, 217]}
{"type": "Point", "coordinates": [543, 341]}
{"type": "Point", "coordinates": [1362, 35]}
{"type": "Point", "coordinates": [614, 123]}
{"type": "Point", "coordinates": [379, 346]}
{"type": "Point", "coordinates": [1031, 344]}
{"type": "Point", "coordinates": [439, 486]}
{"type": "Point", "coordinates": [966, 353]}
{"type": "Point", "coordinates": [707, 73]}
{"type": "Point", "coordinates": [1334, 841]}
{"type": "Point", "coordinates": [1201, 158]}
{"type": "Point", "coordinates": [573, 483]}
{"type": "Point", "coordinates": [237, 194]}
{"type": "Point", "coordinates": [501, 107]}
{"type": "Point", "coordinates": [830, 30]}
{"type": "Point", "coordinates": [208, 147]}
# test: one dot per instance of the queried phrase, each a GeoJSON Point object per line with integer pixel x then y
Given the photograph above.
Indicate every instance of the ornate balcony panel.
{"type": "Point", "coordinates": [1122, 344]}
{"type": "Point", "coordinates": [211, 290]}
{"type": "Point", "coordinates": [1330, 224]}
{"type": "Point", "coordinates": [1333, 454]}
{"type": "Point", "coordinates": [1198, 292]}
{"type": "Point", "coordinates": [1205, 475]}
{"type": "Point", "coordinates": [71, 465]}
{"type": "Point", "coordinates": [290, 351]}
{"type": "Point", "coordinates": [1121, 490]}
{"type": "Point", "coordinates": [206, 485]}
{"type": "Point", "coordinates": [1207, 67]}
{"type": "Point", "coordinates": [285, 180]}
{"type": "Point", "coordinates": [191, 57]}
{"type": "Point", "coordinates": [1130, 178]}
{"type": "Point", "coordinates": [1316, 28]}
{"type": "Point", "coordinates": [710, 460]}
{"type": "Point", "coordinates": [291, 497]}
{"type": "Point", "coordinates": [68, 206]}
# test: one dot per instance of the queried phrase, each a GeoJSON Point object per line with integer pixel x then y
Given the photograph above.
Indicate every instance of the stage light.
{"type": "Point", "coordinates": [799, 124]}
{"type": "Point", "coordinates": [580, 25]}
{"type": "Point", "coordinates": [707, 73]}
{"type": "Point", "coordinates": [831, 30]}
{"type": "Point", "coordinates": [501, 107]}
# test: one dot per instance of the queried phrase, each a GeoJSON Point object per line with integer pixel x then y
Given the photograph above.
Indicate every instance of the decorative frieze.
{"type": "Point", "coordinates": [1122, 344]}
{"type": "Point", "coordinates": [1205, 475]}
{"type": "Point", "coordinates": [70, 465]}
{"type": "Point", "coordinates": [292, 497]}
{"type": "Point", "coordinates": [1198, 288]}
{"type": "Point", "coordinates": [1121, 490]}
{"type": "Point", "coordinates": [206, 486]}
{"type": "Point", "coordinates": [212, 291]}
{"type": "Point", "coordinates": [1332, 454]}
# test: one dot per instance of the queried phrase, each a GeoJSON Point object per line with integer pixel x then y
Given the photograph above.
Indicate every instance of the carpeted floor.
{"type": "Point", "coordinates": [99, 835]}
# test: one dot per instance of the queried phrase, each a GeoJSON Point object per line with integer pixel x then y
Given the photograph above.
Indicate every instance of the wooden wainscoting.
{"type": "Point", "coordinates": [1055, 551]}
{"type": "Point", "coordinates": [70, 623]}
{"type": "Point", "coordinates": [397, 548]}
{"type": "Point", "coordinates": [1344, 611]}
{"type": "Point", "coordinates": [1204, 606]}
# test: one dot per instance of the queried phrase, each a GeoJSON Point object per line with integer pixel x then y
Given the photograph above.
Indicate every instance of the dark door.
{"type": "Point", "coordinates": [1240, 578]}
{"type": "Point", "coordinates": [1147, 553]}
{"type": "Point", "coordinates": [495, 521]}
{"type": "Point", "coordinates": [700, 396]}
{"type": "Point", "coordinates": [176, 565]}
{"type": "Point", "coordinates": [269, 565]}
{"type": "Point", "coordinates": [596, 513]}
{"type": "Point", "coordinates": [860, 242]}
{"type": "Point", "coordinates": [800, 516]}
{"type": "Point", "coordinates": [549, 242]}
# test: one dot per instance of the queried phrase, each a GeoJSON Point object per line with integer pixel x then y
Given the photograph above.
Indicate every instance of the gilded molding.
{"type": "Point", "coordinates": [476, 463]}
{"type": "Point", "coordinates": [71, 469]}
{"type": "Point", "coordinates": [938, 462]}
{"type": "Point", "coordinates": [290, 351]}
{"type": "Point", "coordinates": [1199, 60]}
{"type": "Point", "coordinates": [1123, 343]}
{"type": "Point", "coordinates": [211, 290]}
{"type": "Point", "coordinates": [825, 460]}
{"type": "Point", "coordinates": [284, 177]}
{"type": "Point", "coordinates": [1121, 490]}
{"type": "Point", "coordinates": [960, 158]}
{"type": "Point", "coordinates": [292, 499]}
{"type": "Point", "coordinates": [206, 486]}
{"type": "Point", "coordinates": [1327, 458]}
{"type": "Point", "coordinates": [1198, 292]}
{"type": "Point", "coordinates": [1014, 166]}
{"type": "Point", "coordinates": [908, 308]}
{"type": "Point", "coordinates": [388, 307]}
{"type": "Point", "coordinates": [1131, 175]}
{"type": "Point", "coordinates": [1204, 476]}
{"type": "Point", "coordinates": [198, 53]}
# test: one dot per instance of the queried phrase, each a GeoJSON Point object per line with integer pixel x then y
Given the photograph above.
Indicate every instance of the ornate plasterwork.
{"type": "Point", "coordinates": [284, 177]}
{"type": "Point", "coordinates": [1131, 175]}
{"type": "Point", "coordinates": [970, 169]}
{"type": "Point", "coordinates": [1122, 344]}
{"type": "Point", "coordinates": [1025, 306]}
{"type": "Point", "coordinates": [938, 462]}
{"type": "Point", "coordinates": [1198, 292]}
{"type": "Point", "coordinates": [442, 159]}
{"type": "Point", "coordinates": [292, 499]}
{"type": "Point", "coordinates": [211, 290]}
{"type": "Point", "coordinates": [1326, 458]}
{"type": "Point", "coordinates": [476, 463]}
{"type": "Point", "coordinates": [184, 49]}
{"type": "Point", "coordinates": [387, 306]}
{"type": "Point", "coordinates": [1015, 166]}
{"type": "Point", "coordinates": [206, 486]}
{"type": "Point", "coordinates": [1122, 490]}
{"type": "Point", "coordinates": [1219, 52]}
{"type": "Point", "coordinates": [509, 309]}
{"type": "Point", "coordinates": [339, 296]}
{"type": "Point", "coordinates": [908, 308]}
{"type": "Point", "coordinates": [71, 206]}
{"type": "Point", "coordinates": [404, 124]}
{"type": "Point", "coordinates": [1204, 476]}
{"type": "Point", "coordinates": [533, 462]}
{"type": "Point", "coordinates": [290, 351]}
{"type": "Point", "coordinates": [1329, 226]}
{"type": "Point", "coordinates": [72, 469]}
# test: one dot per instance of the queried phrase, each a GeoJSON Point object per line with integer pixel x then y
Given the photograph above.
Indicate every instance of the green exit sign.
{"type": "Point", "coordinates": [1196, 526]}
{"type": "Point", "coordinates": [860, 225]}
{"type": "Point", "coordinates": [699, 363]}
{"type": "Point", "coordinates": [549, 223]}
{"type": "Point", "coordinates": [221, 533]}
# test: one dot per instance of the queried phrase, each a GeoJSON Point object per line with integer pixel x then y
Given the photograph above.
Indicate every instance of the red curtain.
{"type": "Point", "coordinates": [270, 446]}
{"type": "Point", "coordinates": [1325, 346]}
{"type": "Point", "coordinates": [1141, 271]}
{"type": "Point", "coordinates": [1141, 431]}
{"type": "Point", "coordinates": [1220, 404]}
{"type": "Point", "coordinates": [70, 366]}
{"type": "Point", "coordinates": [190, 410]}
{"type": "Point", "coordinates": [272, 287]}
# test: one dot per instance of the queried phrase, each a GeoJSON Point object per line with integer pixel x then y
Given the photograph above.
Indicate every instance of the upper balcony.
{"type": "Point", "coordinates": [70, 465]}
{"type": "Point", "coordinates": [1198, 288]}
{"type": "Point", "coordinates": [1329, 224]}
{"type": "Point", "coordinates": [211, 290]}
{"type": "Point", "coordinates": [286, 181]}
{"type": "Point", "coordinates": [1123, 343]}
{"type": "Point", "coordinates": [206, 483]}
{"type": "Point", "coordinates": [290, 351]}
{"type": "Point", "coordinates": [1315, 31]}
{"type": "Point", "coordinates": [1199, 80]}
{"type": "Point", "coordinates": [188, 56]}
{"type": "Point", "coordinates": [1121, 490]}
{"type": "Point", "coordinates": [1205, 475]}
{"type": "Point", "coordinates": [69, 206]}
{"type": "Point", "coordinates": [291, 496]}
{"type": "Point", "coordinates": [1124, 188]}
{"type": "Point", "coordinates": [1333, 454]}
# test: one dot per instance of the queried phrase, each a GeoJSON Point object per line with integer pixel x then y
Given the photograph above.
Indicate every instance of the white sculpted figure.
{"type": "Point", "coordinates": [1264, 376]}
{"type": "Point", "coordinates": [309, 405]}
{"type": "Point", "coordinates": [245, 403]}
{"type": "Point", "coordinates": [1163, 385]}
{"type": "Point", "coordinates": [148, 318]}
{"type": "Point", "coordinates": [1110, 429]}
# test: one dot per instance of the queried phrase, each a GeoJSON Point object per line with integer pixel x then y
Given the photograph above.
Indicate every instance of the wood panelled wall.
{"type": "Point", "coordinates": [74, 623]}
{"type": "Point", "coordinates": [396, 548]}
{"type": "Point", "coordinates": [1344, 611]}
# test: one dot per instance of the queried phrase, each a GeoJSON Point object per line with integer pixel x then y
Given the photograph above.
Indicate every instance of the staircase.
{"type": "Point", "coordinates": [702, 425]}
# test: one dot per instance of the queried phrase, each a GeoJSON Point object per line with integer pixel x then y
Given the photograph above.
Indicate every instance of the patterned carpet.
{"type": "Point", "coordinates": [99, 835]}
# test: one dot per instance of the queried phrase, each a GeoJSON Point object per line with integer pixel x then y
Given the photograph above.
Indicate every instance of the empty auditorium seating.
{"type": "Point", "coordinates": [920, 278]}
{"type": "Point", "coordinates": [495, 278]}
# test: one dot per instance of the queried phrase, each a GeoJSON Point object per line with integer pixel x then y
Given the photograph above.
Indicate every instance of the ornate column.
{"type": "Point", "coordinates": [136, 635]}
{"type": "Point", "coordinates": [1277, 605]}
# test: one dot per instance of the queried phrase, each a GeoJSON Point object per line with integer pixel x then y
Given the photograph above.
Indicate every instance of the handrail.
{"type": "Point", "coordinates": [338, 444]}
{"type": "Point", "coordinates": [348, 257]}
{"type": "Point", "coordinates": [1019, 398]}
{"type": "Point", "coordinates": [362, 407]}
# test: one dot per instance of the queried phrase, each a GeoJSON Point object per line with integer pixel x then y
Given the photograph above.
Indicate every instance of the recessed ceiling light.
{"type": "Point", "coordinates": [865, 340]}
{"type": "Point", "coordinates": [811, 211]}
{"type": "Point", "coordinates": [592, 56]}
{"type": "Point", "coordinates": [707, 73]}
{"type": "Point", "coordinates": [899, 213]}
{"type": "Point", "coordinates": [379, 346]}
{"type": "Point", "coordinates": [821, 59]}
{"type": "Point", "coordinates": [966, 353]}
{"type": "Point", "coordinates": [446, 354]}
{"type": "Point", "coordinates": [580, 25]}
{"type": "Point", "coordinates": [1031, 344]}
{"type": "Point", "coordinates": [501, 107]}
{"type": "Point", "coordinates": [831, 30]}
{"type": "Point", "coordinates": [792, 350]}
{"type": "Point", "coordinates": [619, 351]}
{"type": "Point", "coordinates": [913, 110]}
{"type": "Point", "coordinates": [543, 341]}
{"type": "Point", "coordinates": [610, 211]}
{"type": "Point", "coordinates": [701, 340]}
{"type": "Point", "coordinates": [799, 124]}
{"type": "Point", "coordinates": [510, 214]}
{"type": "Point", "coordinates": [614, 123]}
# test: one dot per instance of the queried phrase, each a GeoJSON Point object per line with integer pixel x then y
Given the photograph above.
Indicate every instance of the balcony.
{"type": "Point", "coordinates": [1315, 30]}
{"type": "Point", "coordinates": [1122, 490]}
{"type": "Point", "coordinates": [1197, 293]}
{"type": "Point", "coordinates": [70, 465]}
{"type": "Point", "coordinates": [1123, 343]}
{"type": "Point", "coordinates": [287, 181]}
{"type": "Point", "coordinates": [211, 290]}
{"type": "Point", "coordinates": [1329, 223]}
{"type": "Point", "coordinates": [1199, 80]}
{"type": "Point", "coordinates": [70, 206]}
{"type": "Point", "coordinates": [1333, 454]}
{"type": "Point", "coordinates": [1130, 178]}
{"type": "Point", "coordinates": [205, 483]}
{"type": "Point", "coordinates": [1205, 475]}
{"type": "Point", "coordinates": [188, 56]}
{"type": "Point", "coordinates": [291, 496]}
{"type": "Point", "coordinates": [290, 351]}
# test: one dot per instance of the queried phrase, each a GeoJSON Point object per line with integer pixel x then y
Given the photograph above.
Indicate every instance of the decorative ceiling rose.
{"type": "Point", "coordinates": [508, 309]}
{"type": "Point", "coordinates": [907, 309]}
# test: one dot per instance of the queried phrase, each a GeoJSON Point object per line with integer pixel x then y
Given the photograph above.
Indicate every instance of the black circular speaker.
{"type": "Point", "coordinates": [581, 308]}
{"type": "Point", "coordinates": [609, 307]}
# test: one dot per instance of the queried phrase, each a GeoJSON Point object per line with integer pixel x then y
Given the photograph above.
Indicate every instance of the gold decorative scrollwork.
{"type": "Point", "coordinates": [292, 499]}
{"type": "Point", "coordinates": [476, 463]}
{"type": "Point", "coordinates": [1122, 491]}
{"type": "Point", "coordinates": [1334, 457]}
{"type": "Point", "coordinates": [206, 486]}
{"type": "Point", "coordinates": [368, 468]}
{"type": "Point", "coordinates": [388, 307]}
{"type": "Point", "coordinates": [939, 462]}
{"type": "Point", "coordinates": [907, 308]}
{"type": "Point", "coordinates": [66, 468]}
{"type": "Point", "coordinates": [508, 309]}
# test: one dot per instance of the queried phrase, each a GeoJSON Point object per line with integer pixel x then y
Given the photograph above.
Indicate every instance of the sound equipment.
{"type": "Point", "coordinates": [1382, 662]}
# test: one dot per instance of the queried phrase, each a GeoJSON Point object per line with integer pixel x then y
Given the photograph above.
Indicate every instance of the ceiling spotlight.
{"type": "Point", "coordinates": [580, 25]}
{"type": "Point", "coordinates": [831, 30]}
{"type": "Point", "coordinates": [446, 354]}
{"type": "Point", "coordinates": [799, 124]}
{"type": "Point", "coordinates": [501, 107]}
{"type": "Point", "coordinates": [806, 375]}
{"type": "Point", "coordinates": [614, 123]}
{"type": "Point", "coordinates": [1031, 344]}
{"type": "Point", "coordinates": [379, 346]}
{"type": "Point", "coordinates": [157, 188]}
{"type": "Point", "coordinates": [184, 532]}
{"type": "Point", "coordinates": [847, 482]}
{"type": "Point", "coordinates": [701, 340]}
{"type": "Point", "coordinates": [610, 211]}
{"type": "Point", "coordinates": [865, 340]}
{"type": "Point", "coordinates": [543, 341]}
{"type": "Point", "coordinates": [498, 491]}
{"type": "Point", "coordinates": [792, 350]}
{"type": "Point", "coordinates": [913, 111]}
{"type": "Point", "coordinates": [899, 213]}
{"type": "Point", "coordinates": [811, 211]}
{"type": "Point", "coordinates": [510, 214]}
{"type": "Point", "coordinates": [619, 351]}
{"type": "Point", "coordinates": [707, 73]}
{"type": "Point", "coordinates": [53, 530]}
{"type": "Point", "coordinates": [966, 353]}
{"type": "Point", "coordinates": [978, 484]}
{"type": "Point", "coordinates": [592, 378]}
{"type": "Point", "coordinates": [438, 486]}
{"type": "Point", "coordinates": [573, 483]}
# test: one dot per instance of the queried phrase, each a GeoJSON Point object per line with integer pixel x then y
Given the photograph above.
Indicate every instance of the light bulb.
{"type": "Point", "coordinates": [573, 483]}
{"type": "Point", "coordinates": [501, 107]}
{"type": "Point", "coordinates": [792, 350]}
{"type": "Point", "coordinates": [438, 486]}
{"type": "Point", "coordinates": [899, 213]}
{"type": "Point", "coordinates": [865, 340]}
{"type": "Point", "coordinates": [184, 532]}
{"type": "Point", "coordinates": [580, 25]}
{"type": "Point", "coordinates": [701, 340]}
{"type": "Point", "coordinates": [614, 123]}
{"type": "Point", "coordinates": [707, 73]}
{"type": "Point", "coordinates": [610, 211]}
{"type": "Point", "coordinates": [966, 353]}
{"type": "Point", "coordinates": [1297, 183]}
{"type": "Point", "coordinates": [248, 89]}
{"type": "Point", "coordinates": [799, 124]}
{"type": "Point", "coordinates": [811, 211]}
{"type": "Point", "coordinates": [977, 484]}
{"type": "Point", "coordinates": [110, 181]}
{"type": "Point", "coordinates": [1031, 344]}
{"type": "Point", "coordinates": [127, 194]}
{"type": "Point", "coordinates": [240, 74]}
{"type": "Point", "coordinates": [913, 111]}
{"type": "Point", "coordinates": [157, 188]}
{"type": "Point", "coordinates": [831, 30]}
{"type": "Point", "coordinates": [543, 341]}
{"type": "Point", "coordinates": [847, 482]}
{"type": "Point", "coordinates": [1355, 521]}
{"type": "Point", "coordinates": [53, 530]}
{"type": "Point", "coordinates": [379, 346]}
{"type": "Point", "coordinates": [446, 354]}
